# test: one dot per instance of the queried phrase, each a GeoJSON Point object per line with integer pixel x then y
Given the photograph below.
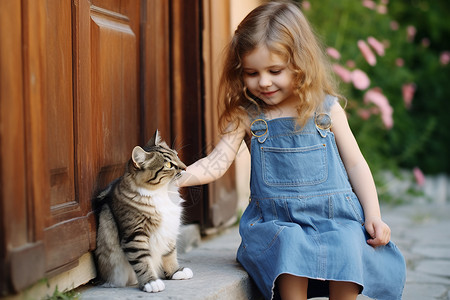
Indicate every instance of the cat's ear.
{"type": "Point", "coordinates": [138, 156]}
{"type": "Point", "coordinates": [155, 140]}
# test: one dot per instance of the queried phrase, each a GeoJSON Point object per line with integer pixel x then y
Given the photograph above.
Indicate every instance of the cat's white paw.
{"type": "Point", "coordinates": [154, 286]}
{"type": "Point", "coordinates": [186, 273]}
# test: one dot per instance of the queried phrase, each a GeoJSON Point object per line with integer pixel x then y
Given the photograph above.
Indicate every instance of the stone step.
{"type": "Point", "coordinates": [217, 274]}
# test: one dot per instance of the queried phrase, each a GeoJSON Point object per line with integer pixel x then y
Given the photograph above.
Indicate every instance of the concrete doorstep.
{"type": "Point", "coordinates": [217, 274]}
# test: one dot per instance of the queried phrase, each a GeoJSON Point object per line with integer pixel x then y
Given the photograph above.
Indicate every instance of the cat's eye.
{"type": "Point", "coordinates": [168, 165]}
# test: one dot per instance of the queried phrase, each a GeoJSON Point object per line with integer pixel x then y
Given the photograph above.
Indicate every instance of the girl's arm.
{"type": "Point", "coordinates": [213, 166]}
{"type": "Point", "coordinates": [360, 178]}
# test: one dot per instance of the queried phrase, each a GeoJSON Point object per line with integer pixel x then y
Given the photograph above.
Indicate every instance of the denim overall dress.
{"type": "Point", "coordinates": [304, 218]}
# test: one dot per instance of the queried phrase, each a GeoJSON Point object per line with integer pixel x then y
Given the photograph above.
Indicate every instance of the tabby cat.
{"type": "Point", "coordinates": [138, 221]}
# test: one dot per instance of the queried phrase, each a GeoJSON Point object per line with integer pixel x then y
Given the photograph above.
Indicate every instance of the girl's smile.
{"type": "Point", "coordinates": [269, 94]}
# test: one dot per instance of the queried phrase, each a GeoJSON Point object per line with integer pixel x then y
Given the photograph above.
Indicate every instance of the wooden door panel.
{"type": "Point", "coordinates": [82, 83]}
{"type": "Point", "coordinates": [114, 90]}
{"type": "Point", "coordinates": [222, 197]}
{"type": "Point", "coordinates": [63, 235]}
{"type": "Point", "coordinates": [187, 108]}
{"type": "Point", "coordinates": [108, 115]}
{"type": "Point", "coordinates": [155, 70]}
{"type": "Point", "coordinates": [13, 191]}
{"type": "Point", "coordinates": [65, 243]}
{"type": "Point", "coordinates": [59, 103]}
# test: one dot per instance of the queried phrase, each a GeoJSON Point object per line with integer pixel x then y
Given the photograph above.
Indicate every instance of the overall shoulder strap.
{"type": "Point", "coordinates": [259, 127]}
{"type": "Point", "coordinates": [322, 119]}
{"type": "Point", "coordinates": [328, 103]}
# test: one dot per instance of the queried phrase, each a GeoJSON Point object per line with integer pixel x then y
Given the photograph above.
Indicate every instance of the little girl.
{"type": "Point", "coordinates": [313, 225]}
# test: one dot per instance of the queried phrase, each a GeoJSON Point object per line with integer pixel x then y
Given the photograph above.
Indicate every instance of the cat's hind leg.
{"type": "Point", "coordinates": [184, 273]}
{"type": "Point", "coordinates": [172, 269]}
{"type": "Point", "coordinates": [112, 266]}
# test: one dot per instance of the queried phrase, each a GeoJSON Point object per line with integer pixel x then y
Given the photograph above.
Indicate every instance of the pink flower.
{"type": "Point", "coordinates": [306, 5]}
{"type": "Point", "coordinates": [367, 53]}
{"type": "Point", "coordinates": [369, 4]}
{"type": "Point", "coordinates": [382, 9]}
{"type": "Point", "coordinates": [376, 45]}
{"type": "Point", "coordinates": [418, 175]}
{"type": "Point", "coordinates": [426, 42]}
{"type": "Point", "coordinates": [350, 63]}
{"type": "Point", "coordinates": [399, 62]}
{"type": "Point", "coordinates": [445, 58]}
{"type": "Point", "coordinates": [394, 25]}
{"type": "Point", "coordinates": [360, 79]}
{"type": "Point", "coordinates": [332, 52]}
{"type": "Point", "coordinates": [364, 113]}
{"type": "Point", "coordinates": [374, 110]}
{"type": "Point", "coordinates": [408, 91]}
{"type": "Point", "coordinates": [410, 33]}
{"type": "Point", "coordinates": [342, 72]}
{"type": "Point", "coordinates": [376, 97]}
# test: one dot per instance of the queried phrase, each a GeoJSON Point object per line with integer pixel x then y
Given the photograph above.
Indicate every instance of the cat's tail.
{"type": "Point", "coordinates": [103, 196]}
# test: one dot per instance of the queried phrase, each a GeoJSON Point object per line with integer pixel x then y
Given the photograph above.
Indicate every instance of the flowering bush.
{"type": "Point", "coordinates": [393, 60]}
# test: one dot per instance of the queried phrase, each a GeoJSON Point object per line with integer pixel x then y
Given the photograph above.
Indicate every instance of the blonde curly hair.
{"type": "Point", "coordinates": [283, 29]}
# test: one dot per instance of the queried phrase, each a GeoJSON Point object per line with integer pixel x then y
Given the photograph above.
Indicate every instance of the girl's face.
{"type": "Point", "coordinates": [268, 77]}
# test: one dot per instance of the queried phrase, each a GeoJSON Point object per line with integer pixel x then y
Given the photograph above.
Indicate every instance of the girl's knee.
{"type": "Point", "coordinates": [344, 290]}
{"type": "Point", "coordinates": [292, 287]}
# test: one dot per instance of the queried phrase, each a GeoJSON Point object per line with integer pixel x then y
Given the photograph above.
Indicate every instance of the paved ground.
{"type": "Point", "coordinates": [421, 231]}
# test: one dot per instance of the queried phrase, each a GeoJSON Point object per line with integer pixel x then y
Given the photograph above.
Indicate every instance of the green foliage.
{"type": "Point", "coordinates": [420, 135]}
{"type": "Point", "coordinates": [66, 295]}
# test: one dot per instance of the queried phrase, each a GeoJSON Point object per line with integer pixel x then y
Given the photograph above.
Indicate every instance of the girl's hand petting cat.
{"type": "Point", "coordinates": [379, 231]}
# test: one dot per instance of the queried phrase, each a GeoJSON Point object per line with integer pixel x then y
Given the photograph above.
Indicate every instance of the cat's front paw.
{"type": "Point", "coordinates": [186, 273]}
{"type": "Point", "coordinates": [154, 286]}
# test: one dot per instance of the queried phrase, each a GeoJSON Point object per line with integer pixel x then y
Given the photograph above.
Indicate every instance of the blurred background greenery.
{"type": "Point", "coordinates": [413, 74]}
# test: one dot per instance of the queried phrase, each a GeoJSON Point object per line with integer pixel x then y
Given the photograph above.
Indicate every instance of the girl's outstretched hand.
{"type": "Point", "coordinates": [379, 231]}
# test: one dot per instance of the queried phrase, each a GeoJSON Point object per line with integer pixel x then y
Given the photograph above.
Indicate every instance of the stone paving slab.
{"type": "Point", "coordinates": [422, 233]}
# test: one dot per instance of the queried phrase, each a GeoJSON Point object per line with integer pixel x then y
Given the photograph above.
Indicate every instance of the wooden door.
{"type": "Point", "coordinates": [93, 125]}
{"type": "Point", "coordinates": [187, 97]}
{"type": "Point", "coordinates": [82, 83]}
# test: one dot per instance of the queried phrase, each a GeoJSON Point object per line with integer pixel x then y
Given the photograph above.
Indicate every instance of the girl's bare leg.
{"type": "Point", "coordinates": [292, 287]}
{"type": "Point", "coordinates": [342, 290]}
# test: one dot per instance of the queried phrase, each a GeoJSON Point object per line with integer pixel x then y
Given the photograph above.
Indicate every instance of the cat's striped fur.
{"type": "Point", "coordinates": [138, 221]}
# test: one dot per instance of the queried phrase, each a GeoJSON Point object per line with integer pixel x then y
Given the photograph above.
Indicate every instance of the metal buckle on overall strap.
{"type": "Point", "coordinates": [259, 129]}
{"type": "Point", "coordinates": [323, 123]}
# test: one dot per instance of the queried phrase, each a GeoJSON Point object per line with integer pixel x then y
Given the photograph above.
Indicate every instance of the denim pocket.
{"type": "Point", "coordinates": [257, 234]}
{"type": "Point", "coordinates": [294, 166]}
{"type": "Point", "coordinates": [355, 208]}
